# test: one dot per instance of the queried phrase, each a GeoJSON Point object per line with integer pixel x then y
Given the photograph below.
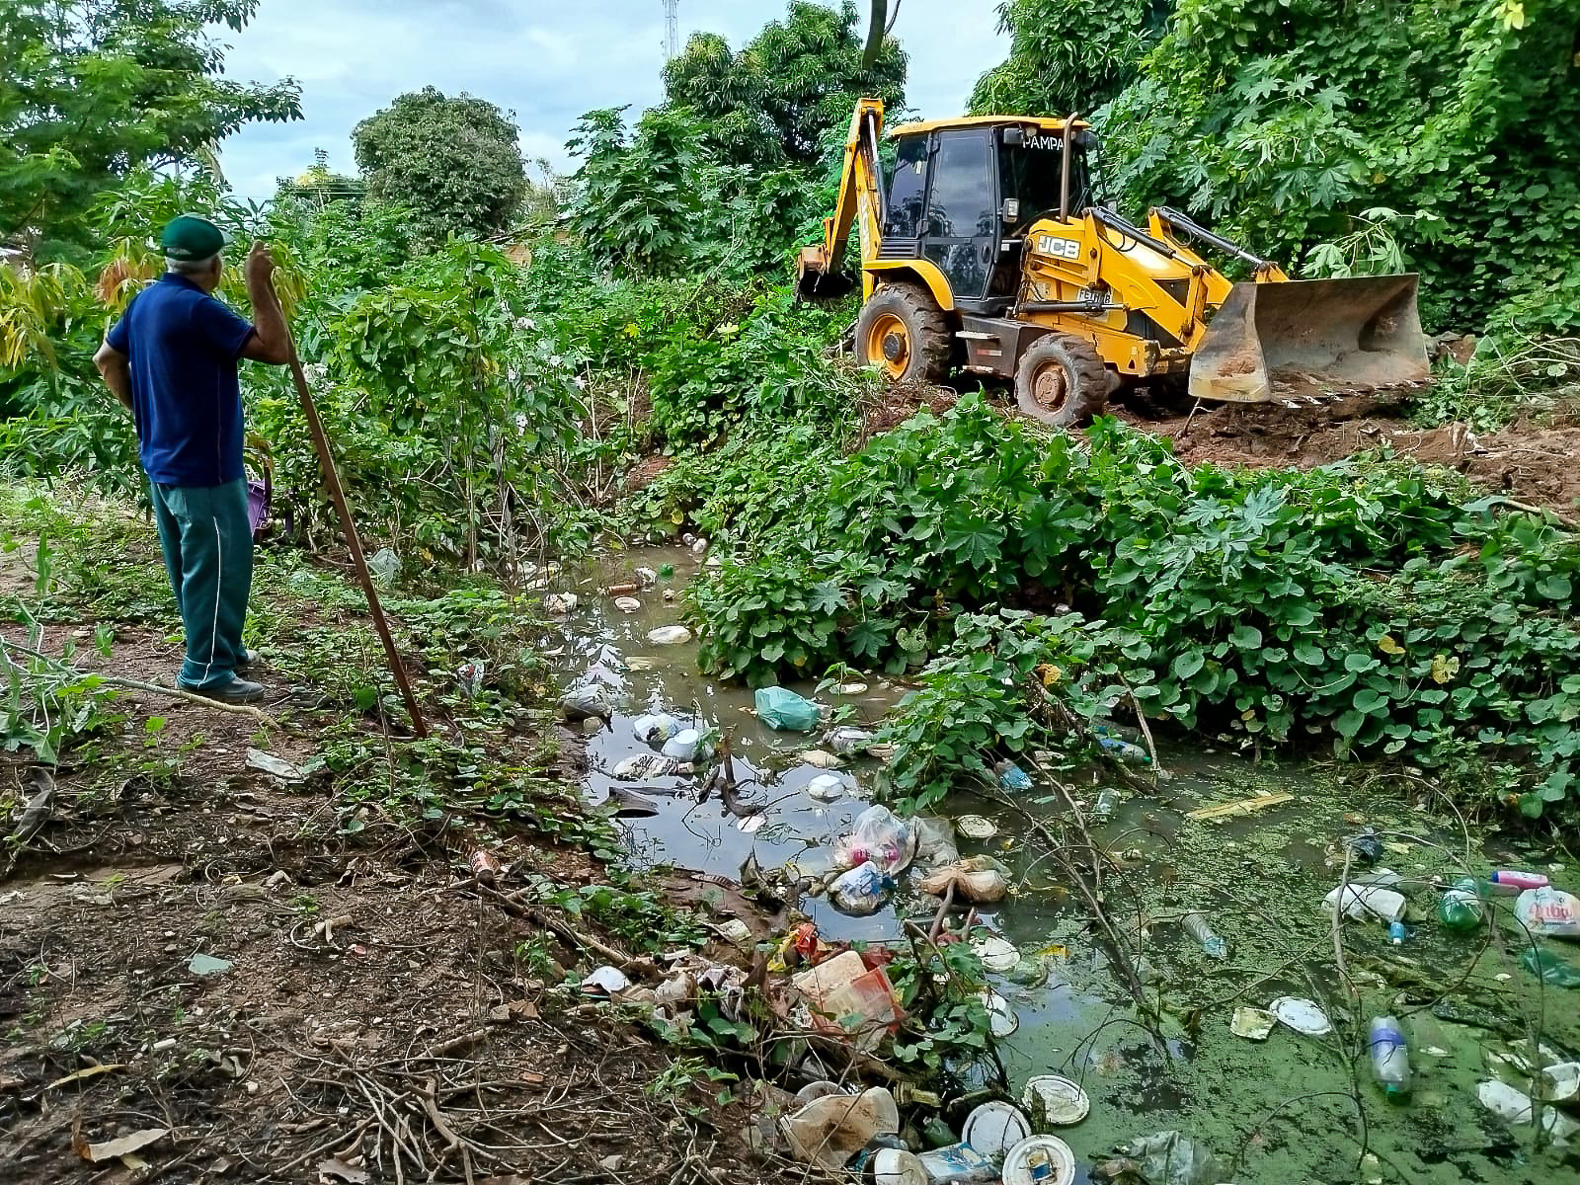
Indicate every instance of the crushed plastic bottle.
{"type": "Point", "coordinates": [861, 890]}
{"type": "Point", "coordinates": [1461, 908]}
{"type": "Point", "coordinates": [1107, 803]}
{"type": "Point", "coordinates": [1197, 926]}
{"type": "Point", "coordinates": [1390, 1057]}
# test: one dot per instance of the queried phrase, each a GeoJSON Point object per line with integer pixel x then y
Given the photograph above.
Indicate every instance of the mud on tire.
{"type": "Point", "coordinates": [1062, 381]}
{"type": "Point", "coordinates": [903, 333]}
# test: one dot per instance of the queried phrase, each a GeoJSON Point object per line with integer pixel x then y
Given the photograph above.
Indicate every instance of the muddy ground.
{"type": "Point", "coordinates": [374, 1014]}
{"type": "Point", "coordinates": [1532, 463]}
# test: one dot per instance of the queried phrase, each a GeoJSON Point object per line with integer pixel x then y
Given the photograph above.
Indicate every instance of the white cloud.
{"type": "Point", "coordinates": [548, 64]}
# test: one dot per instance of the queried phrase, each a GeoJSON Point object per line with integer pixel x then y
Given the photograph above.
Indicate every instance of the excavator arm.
{"type": "Point", "coordinates": [860, 202]}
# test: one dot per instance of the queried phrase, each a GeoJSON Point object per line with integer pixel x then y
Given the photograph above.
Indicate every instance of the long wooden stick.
{"type": "Point", "coordinates": [332, 479]}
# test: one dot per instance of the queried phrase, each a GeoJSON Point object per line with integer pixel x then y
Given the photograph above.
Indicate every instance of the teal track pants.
{"type": "Point", "coordinates": [208, 553]}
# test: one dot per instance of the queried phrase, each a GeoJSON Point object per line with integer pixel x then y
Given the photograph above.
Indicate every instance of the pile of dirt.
{"type": "Point", "coordinates": [214, 960]}
{"type": "Point", "coordinates": [1531, 464]}
{"type": "Point", "coordinates": [898, 402]}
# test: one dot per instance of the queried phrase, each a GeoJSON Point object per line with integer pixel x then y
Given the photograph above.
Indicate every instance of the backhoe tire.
{"type": "Point", "coordinates": [1062, 381]}
{"type": "Point", "coordinates": [905, 335]}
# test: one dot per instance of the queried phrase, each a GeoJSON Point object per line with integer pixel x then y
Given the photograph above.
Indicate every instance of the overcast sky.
{"type": "Point", "coordinates": [546, 62]}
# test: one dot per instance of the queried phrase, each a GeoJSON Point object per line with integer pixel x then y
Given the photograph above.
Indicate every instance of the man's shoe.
{"type": "Point", "coordinates": [246, 659]}
{"type": "Point", "coordinates": [237, 691]}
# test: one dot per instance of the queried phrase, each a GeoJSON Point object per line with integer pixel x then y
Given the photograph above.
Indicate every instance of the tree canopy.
{"type": "Point", "coordinates": [454, 162]}
{"type": "Point", "coordinates": [92, 89]}
{"type": "Point", "coordinates": [772, 102]}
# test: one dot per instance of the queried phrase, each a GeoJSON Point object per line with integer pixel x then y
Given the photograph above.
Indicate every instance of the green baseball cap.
{"type": "Point", "coordinates": [191, 237]}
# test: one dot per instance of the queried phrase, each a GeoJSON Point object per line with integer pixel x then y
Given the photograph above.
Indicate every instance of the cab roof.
{"type": "Point", "coordinates": [1045, 123]}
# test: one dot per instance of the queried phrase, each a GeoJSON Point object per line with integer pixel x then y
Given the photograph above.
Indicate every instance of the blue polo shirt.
{"type": "Point", "coordinates": [186, 399]}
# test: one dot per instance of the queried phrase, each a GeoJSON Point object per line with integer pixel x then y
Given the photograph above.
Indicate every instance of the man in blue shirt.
{"type": "Point", "coordinates": [172, 359]}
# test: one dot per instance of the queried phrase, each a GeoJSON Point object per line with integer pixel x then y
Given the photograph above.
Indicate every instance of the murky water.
{"type": "Point", "coordinates": [1279, 1110]}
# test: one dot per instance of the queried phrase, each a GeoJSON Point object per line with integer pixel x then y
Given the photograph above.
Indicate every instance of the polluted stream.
{"type": "Point", "coordinates": [1252, 1098]}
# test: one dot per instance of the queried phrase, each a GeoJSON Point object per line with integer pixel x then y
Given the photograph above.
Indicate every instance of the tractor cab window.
{"type": "Point", "coordinates": [1031, 173]}
{"type": "Point", "coordinates": [907, 189]}
{"type": "Point", "coordinates": [962, 211]}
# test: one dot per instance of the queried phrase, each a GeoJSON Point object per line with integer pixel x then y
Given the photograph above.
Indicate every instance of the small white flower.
{"type": "Point", "coordinates": [521, 422]}
{"type": "Point", "coordinates": [581, 383]}
{"type": "Point", "coordinates": [512, 374]}
{"type": "Point", "coordinates": [554, 359]}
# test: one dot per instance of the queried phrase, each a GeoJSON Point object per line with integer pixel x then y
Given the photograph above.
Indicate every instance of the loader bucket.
{"type": "Point", "coordinates": [1311, 337]}
{"type": "Point", "coordinates": [814, 280]}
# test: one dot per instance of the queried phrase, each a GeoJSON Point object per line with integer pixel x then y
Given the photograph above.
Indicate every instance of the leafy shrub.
{"type": "Point", "coordinates": [1367, 601]}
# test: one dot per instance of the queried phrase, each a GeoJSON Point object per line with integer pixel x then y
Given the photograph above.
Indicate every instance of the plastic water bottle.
{"type": "Point", "coordinates": [1390, 1058]}
{"type": "Point", "coordinates": [1397, 933]}
{"type": "Point", "coordinates": [1197, 926]}
{"type": "Point", "coordinates": [1460, 908]}
{"type": "Point", "coordinates": [1125, 751]}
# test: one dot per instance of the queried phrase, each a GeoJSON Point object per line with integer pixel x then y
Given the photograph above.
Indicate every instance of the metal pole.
{"type": "Point", "coordinates": [1064, 168]}
{"type": "Point", "coordinates": [332, 478]}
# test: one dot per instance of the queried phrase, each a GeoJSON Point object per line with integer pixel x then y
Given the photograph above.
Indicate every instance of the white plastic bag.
{"type": "Point", "coordinates": [1549, 913]}
{"type": "Point", "coordinates": [880, 837]}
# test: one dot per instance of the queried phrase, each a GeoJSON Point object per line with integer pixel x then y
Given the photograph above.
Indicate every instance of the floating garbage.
{"type": "Point", "coordinates": [1508, 881]}
{"type": "Point", "coordinates": [848, 741]}
{"type": "Point", "coordinates": [1011, 776]}
{"type": "Point", "coordinates": [994, 1128]}
{"type": "Point", "coordinates": [997, 954]}
{"type": "Point", "coordinates": [1125, 750]}
{"type": "Point", "coordinates": [1365, 848]}
{"type": "Point", "coordinates": [1001, 1017]}
{"type": "Point", "coordinates": [1302, 1015]}
{"type": "Point", "coordinates": [1549, 968]}
{"type": "Point", "coordinates": [978, 880]}
{"type": "Point", "coordinates": [826, 788]}
{"type": "Point", "coordinates": [1163, 1158]}
{"type": "Point", "coordinates": [560, 604]}
{"type": "Point", "coordinates": [1055, 1100]}
{"type": "Point", "coordinates": [1365, 902]}
{"type": "Point", "coordinates": [687, 745]}
{"type": "Point", "coordinates": [854, 687]}
{"type": "Point", "coordinates": [647, 576]}
{"type": "Point", "coordinates": [879, 836]}
{"type": "Point", "coordinates": [1560, 1083]}
{"type": "Point", "coordinates": [862, 890]}
{"type": "Point", "coordinates": [1254, 1024]}
{"type": "Point", "coordinates": [1039, 1160]}
{"type": "Point", "coordinates": [645, 765]}
{"type": "Point", "coordinates": [1548, 912]}
{"type": "Point", "coordinates": [627, 604]}
{"type": "Point", "coordinates": [786, 711]}
{"type": "Point", "coordinates": [958, 1164]}
{"type": "Point", "coordinates": [582, 703]}
{"type": "Point", "coordinates": [669, 635]}
{"type": "Point", "coordinates": [1390, 1057]}
{"type": "Point", "coordinates": [820, 759]}
{"type": "Point", "coordinates": [935, 842]}
{"type": "Point", "coordinates": [831, 1129]}
{"type": "Point", "coordinates": [1198, 927]}
{"type": "Point", "coordinates": [1461, 908]}
{"type": "Point", "coordinates": [1515, 1106]}
{"type": "Point", "coordinates": [976, 827]}
{"type": "Point", "coordinates": [655, 728]}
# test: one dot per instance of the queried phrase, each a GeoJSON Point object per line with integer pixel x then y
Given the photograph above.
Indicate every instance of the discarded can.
{"type": "Point", "coordinates": [485, 866]}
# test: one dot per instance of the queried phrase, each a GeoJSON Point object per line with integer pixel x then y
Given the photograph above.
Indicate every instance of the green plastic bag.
{"type": "Point", "coordinates": [785, 710]}
{"type": "Point", "coordinates": [1549, 968]}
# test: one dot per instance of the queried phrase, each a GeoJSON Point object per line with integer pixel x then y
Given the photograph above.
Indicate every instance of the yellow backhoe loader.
{"type": "Point", "coordinates": [986, 252]}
